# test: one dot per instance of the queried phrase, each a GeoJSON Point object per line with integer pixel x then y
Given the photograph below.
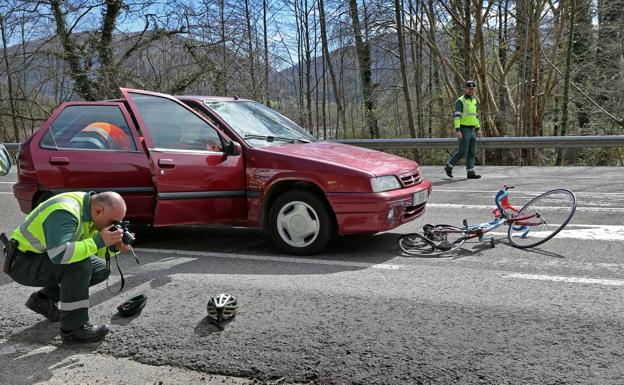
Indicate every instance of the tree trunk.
{"type": "Point", "coordinates": [337, 94]}
{"type": "Point", "coordinates": [221, 82]}
{"type": "Point", "coordinates": [308, 65]}
{"type": "Point", "coordinates": [566, 79]}
{"type": "Point", "coordinates": [83, 85]}
{"type": "Point", "coordinates": [364, 61]}
{"type": "Point", "coordinates": [252, 70]}
{"type": "Point", "coordinates": [267, 96]}
{"type": "Point", "coordinates": [398, 12]}
{"type": "Point", "coordinates": [581, 47]}
{"type": "Point", "coordinates": [7, 67]}
{"type": "Point", "coordinates": [467, 45]}
{"type": "Point", "coordinates": [610, 52]}
{"type": "Point", "coordinates": [107, 82]}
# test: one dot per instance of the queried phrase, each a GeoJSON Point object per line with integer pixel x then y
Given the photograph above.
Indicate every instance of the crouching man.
{"type": "Point", "coordinates": [61, 247]}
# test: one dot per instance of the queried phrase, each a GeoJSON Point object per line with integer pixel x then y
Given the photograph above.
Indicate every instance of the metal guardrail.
{"type": "Point", "coordinates": [11, 147]}
{"type": "Point", "coordinates": [497, 142]}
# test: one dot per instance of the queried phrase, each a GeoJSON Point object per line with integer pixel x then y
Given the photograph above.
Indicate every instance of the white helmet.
{"type": "Point", "coordinates": [222, 307]}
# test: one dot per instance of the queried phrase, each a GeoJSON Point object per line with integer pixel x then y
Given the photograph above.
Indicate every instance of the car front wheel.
{"type": "Point", "coordinates": [300, 223]}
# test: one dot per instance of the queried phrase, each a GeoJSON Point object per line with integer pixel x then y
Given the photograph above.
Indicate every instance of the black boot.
{"type": "Point", "coordinates": [472, 175]}
{"type": "Point", "coordinates": [85, 333]}
{"type": "Point", "coordinates": [46, 307]}
{"type": "Point", "coordinates": [449, 171]}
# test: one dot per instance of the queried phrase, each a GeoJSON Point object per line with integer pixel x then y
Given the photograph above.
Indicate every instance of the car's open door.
{"type": "Point", "coordinates": [196, 182]}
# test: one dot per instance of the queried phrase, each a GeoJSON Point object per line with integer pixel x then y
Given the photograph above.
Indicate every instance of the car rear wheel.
{"type": "Point", "coordinates": [43, 197]}
{"type": "Point", "coordinates": [300, 223]}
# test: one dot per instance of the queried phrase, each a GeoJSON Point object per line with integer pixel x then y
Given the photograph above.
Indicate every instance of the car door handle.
{"type": "Point", "coordinates": [166, 163]}
{"type": "Point", "coordinates": [59, 160]}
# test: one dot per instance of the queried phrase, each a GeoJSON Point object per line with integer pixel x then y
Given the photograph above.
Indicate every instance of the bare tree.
{"type": "Point", "coordinates": [398, 7]}
{"type": "Point", "coordinates": [340, 114]}
{"type": "Point", "coordinates": [7, 67]}
{"type": "Point", "coordinates": [364, 60]}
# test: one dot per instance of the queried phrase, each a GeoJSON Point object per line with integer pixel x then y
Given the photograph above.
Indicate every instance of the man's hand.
{"type": "Point", "coordinates": [478, 133]}
{"type": "Point", "coordinates": [111, 237]}
{"type": "Point", "coordinates": [121, 247]}
{"type": "Point", "coordinates": [458, 135]}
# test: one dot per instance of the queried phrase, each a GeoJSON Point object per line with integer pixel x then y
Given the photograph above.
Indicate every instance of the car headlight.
{"type": "Point", "coordinates": [385, 183]}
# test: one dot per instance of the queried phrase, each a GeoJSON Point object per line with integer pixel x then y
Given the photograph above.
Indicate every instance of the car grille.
{"type": "Point", "coordinates": [410, 179]}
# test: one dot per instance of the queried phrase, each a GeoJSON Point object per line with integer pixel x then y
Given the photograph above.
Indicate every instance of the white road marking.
{"type": "Point", "coordinates": [554, 278]}
{"type": "Point", "coordinates": [163, 264]}
{"type": "Point", "coordinates": [577, 193]}
{"type": "Point", "coordinates": [589, 232]}
{"type": "Point", "coordinates": [491, 207]}
{"type": "Point", "coordinates": [6, 348]}
{"type": "Point", "coordinates": [189, 253]}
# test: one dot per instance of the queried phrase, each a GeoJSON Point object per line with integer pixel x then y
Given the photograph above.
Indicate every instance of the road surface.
{"type": "Point", "coordinates": [360, 313]}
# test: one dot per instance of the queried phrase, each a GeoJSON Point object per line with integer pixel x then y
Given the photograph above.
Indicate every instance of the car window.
{"type": "Point", "coordinates": [172, 126]}
{"type": "Point", "coordinates": [90, 127]}
{"type": "Point", "coordinates": [253, 121]}
{"type": "Point", "coordinates": [200, 110]}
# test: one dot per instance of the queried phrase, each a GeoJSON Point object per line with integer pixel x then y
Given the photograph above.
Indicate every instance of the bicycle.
{"type": "Point", "coordinates": [527, 227]}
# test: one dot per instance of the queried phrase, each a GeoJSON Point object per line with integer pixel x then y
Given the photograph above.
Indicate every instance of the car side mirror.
{"type": "Point", "coordinates": [5, 160]}
{"type": "Point", "coordinates": [233, 148]}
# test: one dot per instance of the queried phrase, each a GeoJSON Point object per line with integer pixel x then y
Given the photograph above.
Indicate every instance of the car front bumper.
{"type": "Point", "coordinates": [369, 213]}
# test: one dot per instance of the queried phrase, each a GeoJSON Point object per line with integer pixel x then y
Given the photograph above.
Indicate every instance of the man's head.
{"type": "Point", "coordinates": [470, 87]}
{"type": "Point", "coordinates": [106, 208]}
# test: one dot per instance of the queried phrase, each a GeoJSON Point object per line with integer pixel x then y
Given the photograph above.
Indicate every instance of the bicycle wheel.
{"type": "Point", "coordinates": [541, 219]}
{"type": "Point", "coordinates": [433, 242]}
{"type": "Point", "coordinates": [417, 244]}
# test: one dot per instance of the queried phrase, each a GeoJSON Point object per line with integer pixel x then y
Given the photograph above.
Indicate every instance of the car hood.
{"type": "Point", "coordinates": [362, 159]}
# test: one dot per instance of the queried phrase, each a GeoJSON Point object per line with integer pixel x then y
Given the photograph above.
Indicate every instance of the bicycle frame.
{"type": "Point", "coordinates": [501, 219]}
{"type": "Point", "coordinates": [436, 240]}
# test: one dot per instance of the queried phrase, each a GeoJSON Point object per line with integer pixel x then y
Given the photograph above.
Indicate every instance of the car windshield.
{"type": "Point", "coordinates": [258, 124]}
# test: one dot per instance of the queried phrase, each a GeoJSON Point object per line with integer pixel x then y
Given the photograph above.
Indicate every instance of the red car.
{"type": "Point", "coordinates": [209, 160]}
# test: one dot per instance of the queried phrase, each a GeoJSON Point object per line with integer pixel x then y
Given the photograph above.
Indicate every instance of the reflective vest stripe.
{"type": "Point", "coordinates": [105, 134]}
{"type": "Point", "coordinates": [30, 237]}
{"type": "Point", "coordinates": [67, 249]}
{"type": "Point", "coordinates": [67, 306]}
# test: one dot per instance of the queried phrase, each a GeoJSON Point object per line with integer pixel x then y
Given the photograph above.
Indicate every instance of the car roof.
{"type": "Point", "coordinates": [210, 98]}
{"type": "Point", "coordinates": [200, 98]}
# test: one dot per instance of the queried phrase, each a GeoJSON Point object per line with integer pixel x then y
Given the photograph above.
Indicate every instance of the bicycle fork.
{"type": "Point", "coordinates": [525, 230]}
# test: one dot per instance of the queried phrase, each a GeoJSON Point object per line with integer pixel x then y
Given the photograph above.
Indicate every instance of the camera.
{"type": "Point", "coordinates": [127, 237]}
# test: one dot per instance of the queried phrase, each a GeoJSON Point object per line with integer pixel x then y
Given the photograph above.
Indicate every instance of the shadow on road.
{"type": "Point", "coordinates": [480, 247]}
{"type": "Point", "coordinates": [32, 363]}
{"type": "Point", "coordinates": [444, 182]}
{"type": "Point", "coordinates": [349, 253]}
{"type": "Point", "coordinates": [205, 327]}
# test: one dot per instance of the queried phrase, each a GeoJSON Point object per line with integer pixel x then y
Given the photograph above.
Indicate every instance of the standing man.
{"type": "Point", "coordinates": [60, 247]}
{"type": "Point", "coordinates": [466, 122]}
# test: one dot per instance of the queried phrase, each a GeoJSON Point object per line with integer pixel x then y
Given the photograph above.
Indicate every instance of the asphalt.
{"type": "Point", "coordinates": [359, 313]}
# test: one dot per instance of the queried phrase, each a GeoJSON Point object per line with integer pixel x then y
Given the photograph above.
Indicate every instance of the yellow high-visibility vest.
{"type": "Point", "coordinates": [468, 116]}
